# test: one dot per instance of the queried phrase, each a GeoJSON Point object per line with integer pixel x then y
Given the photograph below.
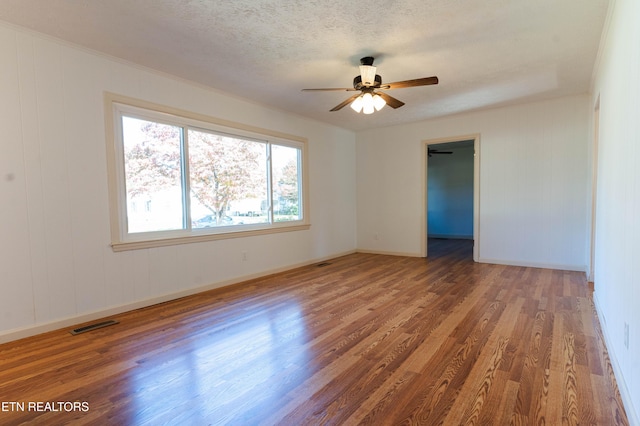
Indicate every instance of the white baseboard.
{"type": "Point", "coordinates": [389, 253]}
{"type": "Point", "coordinates": [562, 267]}
{"type": "Point", "coordinates": [72, 321]}
{"type": "Point", "coordinates": [451, 237]}
{"type": "Point", "coordinates": [627, 401]}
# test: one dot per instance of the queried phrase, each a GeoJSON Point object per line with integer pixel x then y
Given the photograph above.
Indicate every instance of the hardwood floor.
{"type": "Point", "coordinates": [364, 339]}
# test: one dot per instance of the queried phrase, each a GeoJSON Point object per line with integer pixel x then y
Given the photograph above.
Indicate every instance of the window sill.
{"type": "Point", "coordinates": [163, 242]}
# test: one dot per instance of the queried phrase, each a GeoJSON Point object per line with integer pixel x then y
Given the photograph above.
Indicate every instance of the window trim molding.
{"type": "Point", "coordinates": [161, 239]}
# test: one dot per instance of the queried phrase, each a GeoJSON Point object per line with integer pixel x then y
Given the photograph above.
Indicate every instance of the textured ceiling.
{"type": "Point", "coordinates": [485, 53]}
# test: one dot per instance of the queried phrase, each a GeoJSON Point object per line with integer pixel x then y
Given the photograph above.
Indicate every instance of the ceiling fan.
{"type": "Point", "coordinates": [430, 152]}
{"type": "Point", "coordinates": [369, 84]}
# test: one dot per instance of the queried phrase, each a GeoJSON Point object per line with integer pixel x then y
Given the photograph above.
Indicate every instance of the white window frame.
{"type": "Point", "coordinates": [118, 105]}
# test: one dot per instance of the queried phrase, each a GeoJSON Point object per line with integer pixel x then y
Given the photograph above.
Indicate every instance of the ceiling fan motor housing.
{"type": "Point", "coordinates": [357, 82]}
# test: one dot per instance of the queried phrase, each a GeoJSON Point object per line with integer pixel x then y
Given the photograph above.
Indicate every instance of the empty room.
{"type": "Point", "coordinates": [267, 212]}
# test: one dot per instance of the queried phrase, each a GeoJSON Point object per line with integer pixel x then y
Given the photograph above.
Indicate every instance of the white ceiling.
{"type": "Point", "coordinates": [485, 53]}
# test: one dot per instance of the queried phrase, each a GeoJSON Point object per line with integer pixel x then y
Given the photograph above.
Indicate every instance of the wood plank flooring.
{"type": "Point", "coordinates": [364, 340]}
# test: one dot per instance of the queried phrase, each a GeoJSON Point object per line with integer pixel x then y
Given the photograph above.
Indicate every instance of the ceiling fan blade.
{"type": "Point", "coordinates": [391, 101]}
{"type": "Point", "coordinates": [340, 89]}
{"type": "Point", "coordinates": [435, 151]}
{"type": "Point", "coordinates": [411, 83]}
{"type": "Point", "coordinates": [345, 103]}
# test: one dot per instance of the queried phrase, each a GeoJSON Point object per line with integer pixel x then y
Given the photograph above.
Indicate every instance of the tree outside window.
{"type": "Point", "coordinates": [192, 178]}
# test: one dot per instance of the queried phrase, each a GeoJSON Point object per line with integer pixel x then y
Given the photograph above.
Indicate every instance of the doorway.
{"type": "Point", "coordinates": [451, 196]}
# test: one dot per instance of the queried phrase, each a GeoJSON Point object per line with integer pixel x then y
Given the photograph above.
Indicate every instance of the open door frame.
{"type": "Point", "coordinates": [591, 270]}
{"type": "Point", "coordinates": [476, 190]}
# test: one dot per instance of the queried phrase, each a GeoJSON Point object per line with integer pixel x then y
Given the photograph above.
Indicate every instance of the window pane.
{"type": "Point", "coordinates": [286, 183]}
{"type": "Point", "coordinates": [152, 175]}
{"type": "Point", "coordinates": [228, 180]}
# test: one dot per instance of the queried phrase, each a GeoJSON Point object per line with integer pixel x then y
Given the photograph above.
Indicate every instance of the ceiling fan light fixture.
{"type": "Point", "coordinates": [357, 104]}
{"type": "Point", "coordinates": [367, 103]}
{"type": "Point", "coordinates": [378, 102]}
{"type": "Point", "coordinates": [368, 82]}
{"type": "Point", "coordinates": [368, 75]}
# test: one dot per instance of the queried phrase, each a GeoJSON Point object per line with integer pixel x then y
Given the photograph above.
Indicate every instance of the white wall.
{"type": "Point", "coordinates": [450, 192]}
{"type": "Point", "coordinates": [617, 256]}
{"type": "Point", "coordinates": [55, 260]}
{"type": "Point", "coordinates": [533, 169]}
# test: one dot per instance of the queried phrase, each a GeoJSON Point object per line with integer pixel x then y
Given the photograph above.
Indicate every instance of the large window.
{"type": "Point", "coordinates": [178, 177]}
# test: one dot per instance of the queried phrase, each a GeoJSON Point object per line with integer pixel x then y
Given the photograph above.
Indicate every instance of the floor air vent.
{"type": "Point", "coordinates": [92, 327]}
{"type": "Point", "coordinates": [320, 265]}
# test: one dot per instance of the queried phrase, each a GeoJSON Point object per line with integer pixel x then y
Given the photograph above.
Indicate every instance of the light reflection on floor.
{"type": "Point", "coordinates": [250, 361]}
